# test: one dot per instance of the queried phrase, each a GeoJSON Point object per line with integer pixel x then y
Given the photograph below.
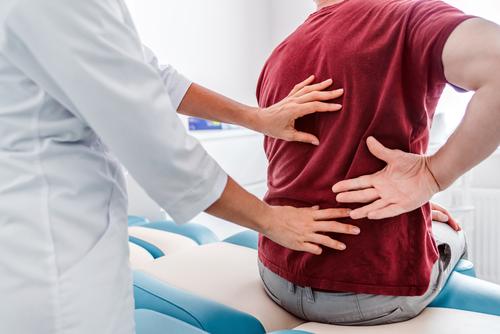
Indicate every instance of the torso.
{"type": "Point", "coordinates": [389, 94]}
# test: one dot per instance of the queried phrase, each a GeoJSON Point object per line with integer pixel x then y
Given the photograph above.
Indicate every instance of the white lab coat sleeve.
{"type": "Point", "coordinates": [176, 84]}
{"type": "Point", "coordinates": [87, 55]}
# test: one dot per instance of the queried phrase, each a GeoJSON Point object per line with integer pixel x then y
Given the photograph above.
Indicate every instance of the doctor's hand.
{"type": "Point", "coordinates": [405, 184]}
{"type": "Point", "coordinates": [278, 121]}
{"type": "Point", "coordinates": [302, 229]}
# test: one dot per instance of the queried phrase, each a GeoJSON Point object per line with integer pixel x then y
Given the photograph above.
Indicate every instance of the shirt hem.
{"type": "Point", "coordinates": [335, 286]}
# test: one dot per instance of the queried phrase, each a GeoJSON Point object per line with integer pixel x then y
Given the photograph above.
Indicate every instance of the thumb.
{"type": "Point", "coordinates": [379, 150]}
{"type": "Point", "coordinates": [305, 138]}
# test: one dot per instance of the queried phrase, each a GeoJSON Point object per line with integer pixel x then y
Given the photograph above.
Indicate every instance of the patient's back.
{"type": "Point", "coordinates": [386, 54]}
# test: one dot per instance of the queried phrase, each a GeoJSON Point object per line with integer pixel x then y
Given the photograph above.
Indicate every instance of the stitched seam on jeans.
{"type": "Point", "coordinates": [359, 307]}
{"type": "Point", "coordinates": [300, 303]}
{"type": "Point", "coordinates": [268, 290]}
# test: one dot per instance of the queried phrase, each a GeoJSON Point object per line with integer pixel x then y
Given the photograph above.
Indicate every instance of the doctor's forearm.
{"type": "Point", "coordinates": [204, 103]}
{"type": "Point", "coordinates": [301, 229]}
{"type": "Point", "coordinates": [277, 121]}
{"type": "Point", "coordinates": [240, 207]}
{"type": "Point", "coordinates": [475, 139]}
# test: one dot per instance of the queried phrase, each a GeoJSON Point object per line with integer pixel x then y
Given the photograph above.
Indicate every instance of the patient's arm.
{"type": "Point", "coordinates": [471, 60]}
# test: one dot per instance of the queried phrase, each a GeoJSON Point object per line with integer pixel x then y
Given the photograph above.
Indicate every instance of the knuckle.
{"type": "Point", "coordinates": [346, 228]}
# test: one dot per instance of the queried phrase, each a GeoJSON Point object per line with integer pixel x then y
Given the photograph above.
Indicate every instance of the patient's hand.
{"type": "Point", "coordinates": [278, 120]}
{"type": "Point", "coordinates": [404, 185]}
{"type": "Point", "coordinates": [440, 214]}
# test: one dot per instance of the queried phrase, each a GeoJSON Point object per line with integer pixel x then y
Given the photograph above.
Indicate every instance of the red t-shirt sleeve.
{"type": "Point", "coordinates": [430, 23]}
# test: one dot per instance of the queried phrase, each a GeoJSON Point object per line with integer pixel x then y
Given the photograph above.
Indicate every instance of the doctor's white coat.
{"type": "Point", "coordinates": [75, 81]}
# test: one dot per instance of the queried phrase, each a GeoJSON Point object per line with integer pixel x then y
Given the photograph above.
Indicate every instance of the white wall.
{"type": "Point", "coordinates": [286, 16]}
{"type": "Point", "coordinates": [488, 9]}
{"type": "Point", "coordinates": [221, 44]}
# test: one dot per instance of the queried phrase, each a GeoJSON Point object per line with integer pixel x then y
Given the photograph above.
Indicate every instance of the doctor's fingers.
{"type": "Point", "coordinates": [304, 109]}
{"type": "Point", "coordinates": [358, 196]}
{"type": "Point", "coordinates": [304, 137]}
{"type": "Point", "coordinates": [327, 214]}
{"type": "Point", "coordinates": [298, 87]}
{"type": "Point", "coordinates": [323, 240]}
{"type": "Point", "coordinates": [310, 248]}
{"type": "Point", "coordinates": [320, 96]}
{"type": "Point", "coordinates": [336, 227]}
{"type": "Point", "coordinates": [365, 210]}
{"type": "Point", "coordinates": [311, 88]}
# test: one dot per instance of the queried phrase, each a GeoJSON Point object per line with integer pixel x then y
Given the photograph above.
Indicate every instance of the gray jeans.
{"type": "Point", "coordinates": [365, 309]}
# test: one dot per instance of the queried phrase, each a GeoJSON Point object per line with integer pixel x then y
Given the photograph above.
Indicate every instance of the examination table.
{"type": "Point", "coordinates": [187, 281]}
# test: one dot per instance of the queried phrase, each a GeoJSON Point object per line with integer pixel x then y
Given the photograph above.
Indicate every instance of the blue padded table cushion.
{"type": "Point", "coordinates": [291, 331]}
{"type": "Point", "coordinates": [200, 234]}
{"type": "Point", "coordinates": [199, 312]}
{"type": "Point", "coordinates": [465, 267]}
{"type": "Point", "coordinates": [468, 293]}
{"type": "Point", "coordinates": [137, 221]}
{"type": "Point", "coordinates": [152, 249]}
{"type": "Point", "coordinates": [249, 239]}
{"type": "Point", "coordinates": [150, 322]}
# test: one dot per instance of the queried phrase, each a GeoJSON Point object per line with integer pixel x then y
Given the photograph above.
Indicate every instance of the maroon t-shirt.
{"type": "Point", "coordinates": [387, 55]}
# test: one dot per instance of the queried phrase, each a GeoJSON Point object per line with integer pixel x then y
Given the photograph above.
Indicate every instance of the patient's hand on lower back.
{"type": "Point", "coordinates": [405, 184]}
